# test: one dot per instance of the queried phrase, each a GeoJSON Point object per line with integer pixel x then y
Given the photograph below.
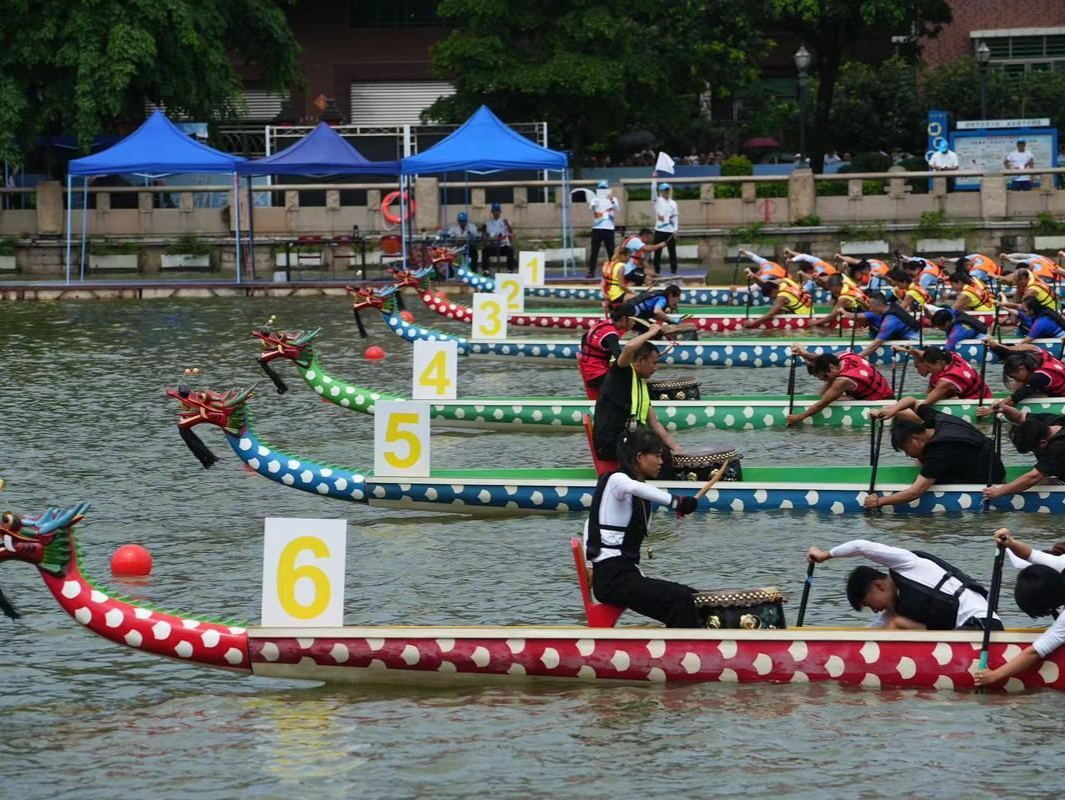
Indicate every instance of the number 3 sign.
{"type": "Point", "coordinates": [401, 439]}
{"type": "Point", "coordinates": [303, 573]}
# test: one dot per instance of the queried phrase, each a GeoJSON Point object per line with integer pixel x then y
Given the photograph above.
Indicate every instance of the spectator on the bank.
{"type": "Point", "coordinates": [604, 206]}
{"type": "Point", "coordinates": [1020, 158]}
{"type": "Point", "coordinates": [943, 159]}
{"type": "Point", "coordinates": [497, 232]}
{"type": "Point", "coordinates": [693, 158]}
{"type": "Point", "coordinates": [831, 156]}
{"type": "Point", "coordinates": [846, 156]}
{"type": "Point", "coordinates": [463, 233]}
{"type": "Point", "coordinates": [666, 221]}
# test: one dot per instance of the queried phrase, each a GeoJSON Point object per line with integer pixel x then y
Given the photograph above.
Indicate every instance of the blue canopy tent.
{"type": "Point", "coordinates": [156, 148]}
{"type": "Point", "coordinates": [485, 144]}
{"type": "Point", "coordinates": [323, 151]}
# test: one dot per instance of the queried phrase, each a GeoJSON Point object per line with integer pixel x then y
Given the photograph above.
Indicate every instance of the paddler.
{"type": "Point", "coordinates": [1039, 592]}
{"type": "Point", "coordinates": [658, 306]}
{"type": "Point", "coordinates": [1029, 285]}
{"type": "Point", "coordinates": [626, 269]}
{"type": "Point", "coordinates": [949, 375]}
{"type": "Point", "coordinates": [788, 298]}
{"type": "Point", "coordinates": [600, 345]}
{"type": "Point", "coordinates": [1042, 267]}
{"type": "Point", "coordinates": [1041, 435]}
{"type": "Point", "coordinates": [849, 298]}
{"type": "Point", "coordinates": [924, 272]}
{"type": "Point", "coordinates": [624, 397]}
{"type": "Point", "coordinates": [1028, 370]}
{"type": "Point", "coordinates": [763, 269]}
{"type": "Point", "coordinates": [887, 321]}
{"type": "Point", "coordinates": [973, 294]}
{"type": "Point", "coordinates": [814, 271]}
{"type": "Point", "coordinates": [847, 375]}
{"type": "Point", "coordinates": [918, 592]}
{"type": "Point", "coordinates": [870, 273]}
{"type": "Point", "coordinates": [978, 265]}
{"type": "Point", "coordinates": [949, 449]}
{"type": "Point", "coordinates": [958, 326]}
{"type": "Point", "coordinates": [911, 296]}
{"type": "Point", "coordinates": [617, 525]}
{"type": "Point", "coordinates": [1035, 320]}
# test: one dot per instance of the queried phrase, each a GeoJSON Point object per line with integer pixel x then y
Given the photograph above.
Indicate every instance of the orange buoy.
{"type": "Point", "coordinates": [131, 559]}
{"type": "Point", "coordinates": [407, 317]}
{"type": "Point", "coordinates": [374, 353]}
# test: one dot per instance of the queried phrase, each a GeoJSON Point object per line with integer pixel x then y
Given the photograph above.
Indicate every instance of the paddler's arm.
{"type": "Point", "coordinates": [1026, 481]}
{"type": "Point", "coordinates": [837, 311]}
{"type": "Point", "coordinates": [798, 350]}
{"type": "Point", "coordinates": [943, 390]}
{"type": "Point", "coordinates": [1004, 350]}
{"type": "Point", "coordinates": [872, 347]}
{"type": "Point", "coordinates": [835, 390]}
{"type": "Point", "coordinates": [628, 352]}
{"type": "Point", "coordinates": [920, 485]}
{"type": "Point", "coordinates": [887, 412]}
{"type": "Point", "coordinates": [961, 303]}
{"type": "Point", "coordinates": [776, 308]}
{"type": "Point", "coordinates": [659, 428]}
{"type": "Point", "coordinates": [891, 557]}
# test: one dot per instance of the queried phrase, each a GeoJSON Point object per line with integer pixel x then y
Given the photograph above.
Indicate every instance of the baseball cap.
{"type": "Point", "coordinates": [942, 146]}
{"type": "Point", "coordinates": [664, 187]}
{"type": "Point", "coordinates": [1022, 140]}
{"type": "Point", "coordinates": [603, 185]}
{"type": "Point", "coordinates": [462, 216]}
{"type": "Point", "coordinates": [496, 207]}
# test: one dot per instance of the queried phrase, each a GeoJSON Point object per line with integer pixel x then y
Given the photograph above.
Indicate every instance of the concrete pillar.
{"type": "Point", "coordinates": [706, 193]}
{"type": "Point", "coordinates": [993, 197]}
{"type": "Point", "coordinates": [521, 197]}
{"type": "Point", "coordinates": [896, 186]}
{"type": "Point", "coordinates": [103, 203]}
{"type": "Point", "coordinates": [145, 209]}
{"type": "Point", "coordinates": [477, 198]}
{"type": "Point", "coordinates": [50, 218]}
{"type": "Point", "coordinates": [802, 195]}
{"type": "Point", "coordinates": [292, 211]}
{"type": "Point", "coordinates": [748, 191]}
{"type": "Point", "coordinates": [939, 187]}
{"type": "Point", "coordinates": [185, 203]}
{"type": "Point", "coordinates": [332, 200]}
{"type": "Point", "coordinates": [427, 204]}
{"type": "Point", "coordinates": [854, 189]}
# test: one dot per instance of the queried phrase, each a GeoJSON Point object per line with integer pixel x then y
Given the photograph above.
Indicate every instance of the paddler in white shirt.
{"type": "Point", "coordinates": [666, 222]}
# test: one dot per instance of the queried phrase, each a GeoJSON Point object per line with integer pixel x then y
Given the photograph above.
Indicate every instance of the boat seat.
{"type": "Point", "coordinates": [599, 615]}
{"type": "Point", "coordinates": [602, 465]}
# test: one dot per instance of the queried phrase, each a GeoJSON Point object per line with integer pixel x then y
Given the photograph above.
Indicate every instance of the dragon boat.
{"type": "Point", "coordinates": [739, 352]}
{"type": "Point", "coordinates": [720, 412]}
{"type": "Point", "coordinates": [690, 295]}
{"type": "Point", "coordinates": [830, 489]}
{"type": "Point", "coordinates": [440, 655]}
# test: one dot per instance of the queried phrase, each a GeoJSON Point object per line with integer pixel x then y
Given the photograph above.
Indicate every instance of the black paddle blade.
{"type": "Point", "coordinates": [8, 610]}
{"type": "Point", "coordinates": [282, 387]}
{"type": "Point", "coordinates": [198, 448]}
{"type": "Point", "coordinates": [358, 323]}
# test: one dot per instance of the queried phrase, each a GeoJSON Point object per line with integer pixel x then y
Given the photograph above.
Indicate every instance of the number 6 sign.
{"type": "Point", "coordinates": [401, 439]}
{"type": "Point", "coordinates": [303, 572]}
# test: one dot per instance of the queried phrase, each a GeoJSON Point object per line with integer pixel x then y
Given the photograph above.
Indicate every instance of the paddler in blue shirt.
{"type": "Point", "coordinates": [958, 325]}
{"type": "Point", "coordinates": [886, 320]}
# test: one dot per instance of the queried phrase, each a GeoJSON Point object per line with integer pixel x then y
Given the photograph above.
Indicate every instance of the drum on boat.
{"type": "Point", "coordinates": [750, 609]}
{"type": "Point", "coordinates": [700, 466]}
{"type": "Point", "coordinates": [680, 389]}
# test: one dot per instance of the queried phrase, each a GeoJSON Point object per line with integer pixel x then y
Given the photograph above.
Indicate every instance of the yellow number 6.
{"type": "Point", "coordinates": [491, 309]}
{"type": "Point", "coordinates": [288, 575]}
{"type": "Point", "coordinates": [393, 434]}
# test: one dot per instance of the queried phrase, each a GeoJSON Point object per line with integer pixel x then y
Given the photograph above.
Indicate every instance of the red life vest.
{"type": "Point", "coordinates": [1054, 370]}
{"type": "Point", "coordinates": [963, 378]}
{"type": "Point", "coordinates": [868, 383]}
{"type": "Point", "coordinates": [593, 359]}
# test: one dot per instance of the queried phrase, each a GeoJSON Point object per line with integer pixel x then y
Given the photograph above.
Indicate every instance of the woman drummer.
{"type": "Point", "coordinates": [616, 527]}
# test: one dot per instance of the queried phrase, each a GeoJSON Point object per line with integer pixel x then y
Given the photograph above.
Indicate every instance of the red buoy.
{"type": "Point", "coordinates": [374, 353]}
{"type": "Point", "coordinates": [131, 559]}
{"type": "Point", "coordinates": [407, 317]}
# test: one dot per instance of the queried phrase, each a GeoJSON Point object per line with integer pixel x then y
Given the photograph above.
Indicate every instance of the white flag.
{"type": "Point", "coordinates": [665, 164]}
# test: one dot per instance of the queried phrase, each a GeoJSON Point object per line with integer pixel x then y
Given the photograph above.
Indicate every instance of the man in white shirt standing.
{"type": "Point", "coordinates": [604, 206]}
{"type": "Point", "coordinates": [497, 231]}
{"type": "Point", "coordinates": [943, 159]}
{"type": "Point", "coordinates": [1020, 158]}
{"type": "Point", "coordinates": [666, 220]}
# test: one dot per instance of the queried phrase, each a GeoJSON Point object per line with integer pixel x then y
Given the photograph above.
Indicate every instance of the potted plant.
{"type": "Point", "coordinates": [187, 252]}
{"type": "Point", "coordinates": [302, 255]}
{"type": "Point", "coordinates": [7, 255]}
{"type": "Point", "coordinates": [110, 255]}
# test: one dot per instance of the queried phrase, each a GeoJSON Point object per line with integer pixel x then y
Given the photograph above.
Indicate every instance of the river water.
{"type": "Point", "coordinates": [85, 418]}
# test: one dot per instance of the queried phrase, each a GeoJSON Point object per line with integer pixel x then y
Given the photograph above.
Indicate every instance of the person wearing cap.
{"type": "Point", "coordinates": [666, 219]}
{"type": "Point", "coordinates": [943, 159]}
{"type": "Point", "coordinates": [604, 206]}
{"type": "Point", "coordinates": [1020, 158]}
{"type": "Point", "coordinates": [463, 233]}
{"type": "Point", "coordinates": [497, 231]}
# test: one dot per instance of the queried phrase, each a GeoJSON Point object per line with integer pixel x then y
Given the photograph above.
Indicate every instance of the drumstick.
{"type": "Point", "coordinates": [714, 479]}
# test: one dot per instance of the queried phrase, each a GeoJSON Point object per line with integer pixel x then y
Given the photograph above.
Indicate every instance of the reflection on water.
{"type": "Point", "coordinates": [85, 418]}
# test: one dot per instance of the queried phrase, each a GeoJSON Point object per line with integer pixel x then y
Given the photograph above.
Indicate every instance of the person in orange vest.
{"type": "Point", "coordinates": [815, 271]}
{"type": "Point", "coordinates": [1040, 266]}
{"type": "Point", "coordinates": [869, 273]}
{"type": "Point", "coordinates": [978, 265]}
{"type": "Point", "coordinates": [911, 296]}
{"type": "Point", "coordinates": [763, 269]}
{"type": "Point", "coordinates": [926, 272]}
{"type": "Point", "coordinates": [1028, 285]}
{"type": "Point", "coordinates": [973, 295]}
{"type": "Point", "coordinates": [849, 297]}
{"type": "Point", "coordinates": [788, 298]}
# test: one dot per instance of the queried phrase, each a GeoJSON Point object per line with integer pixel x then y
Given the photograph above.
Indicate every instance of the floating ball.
{"type": "Point", "coordinates": [407, 317]}
{"type": "Point", "coordinates": [374, 353]}
{"type": "Point", "coordinates": [131, 559]}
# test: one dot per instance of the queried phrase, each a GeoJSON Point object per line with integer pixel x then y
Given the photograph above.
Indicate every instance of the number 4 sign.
{"type": "Point", "coordinates": [401, 439]}
{"type": "Point", "coordinates": [531, 266]}
{"type": "Point", "coordinates": [435, 370]}
{"type": "Point", "coordinates": [303, 573]}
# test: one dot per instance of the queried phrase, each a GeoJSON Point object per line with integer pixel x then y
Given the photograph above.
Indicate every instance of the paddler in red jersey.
{"type": "Point", "coordinates": [949, 375]}
{"type": "Point", "coordinates": [601, 344]}
{"type": "Point", "coordinates": [1028, 370]}
{"type": "Point", "coordinates": [847, 375]}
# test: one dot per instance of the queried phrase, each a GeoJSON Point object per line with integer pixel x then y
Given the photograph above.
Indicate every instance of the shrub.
{"type": "Point", "coordinates": [734, 166]}
{"type": "Point", "coordinates": [809, 221]}
{"type": "Point", "coordinates": [108, 247]}
{"type": "Point", "coordinates": [190, 245]}
{"type": "Point", "coordinates": [1044, 225]}
{"type": "Point", "coordinates": [8, 247]}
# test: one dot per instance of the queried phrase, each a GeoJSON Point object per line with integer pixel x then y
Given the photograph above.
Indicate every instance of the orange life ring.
{"type": "Point", "coordinates": [392, 197]}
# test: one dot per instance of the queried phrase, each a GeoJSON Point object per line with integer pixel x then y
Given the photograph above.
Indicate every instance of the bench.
{"type": "Point", "coordinates": [599, 615]}
{"type": "Point", "coordinates": [602, 465]}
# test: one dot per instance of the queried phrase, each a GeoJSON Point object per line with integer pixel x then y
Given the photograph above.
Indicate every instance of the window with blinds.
{"type": "Point", "coordinates": [1017, 55]}
{"type": "Point", "coordinates": [394, 102]}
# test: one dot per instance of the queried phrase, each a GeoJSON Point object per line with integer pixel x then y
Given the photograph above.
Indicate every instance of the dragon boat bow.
{"type": "Point", "coordinates": [433, 656]}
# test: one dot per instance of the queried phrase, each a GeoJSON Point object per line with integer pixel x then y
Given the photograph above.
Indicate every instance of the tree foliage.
{"type": "Point", "coordinates": [877, 107]}
{"type": "Point", "coordinates": [592, 68]}
{"type": "Point", "coordinates": [82, 66]}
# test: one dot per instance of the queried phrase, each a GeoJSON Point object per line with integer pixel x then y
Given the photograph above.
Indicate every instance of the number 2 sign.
{"type": "Point", "coordinates": [512, 287]}
{"type": "Point", "coordinates": [303, 572]}
{"type": "Point", "coordinates": [401, 439]}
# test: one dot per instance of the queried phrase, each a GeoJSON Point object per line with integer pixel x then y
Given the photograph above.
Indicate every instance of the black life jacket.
{"type": "Point", "coordinates": [635, 531]}
{"type": "Point", "coordinates": [645, 297]}
{"type": "Point", "coordinates": [961, 318]}
{"type": "Point", "coordinates": [894, 310]}
{"type": "Point", "coordinates": [934, 608]}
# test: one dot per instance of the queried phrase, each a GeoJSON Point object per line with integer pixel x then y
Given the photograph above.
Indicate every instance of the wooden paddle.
{"type": "Point", "coordinates": [713, 480]}
{"type": "Point", "coordinates": [996, 448]}
{"type": "Point", "coordinates": [875, 460]}
{"type": "Point", "coordinates": [805, 594]}
{"type": "Point", "coordinates": [992, 607]}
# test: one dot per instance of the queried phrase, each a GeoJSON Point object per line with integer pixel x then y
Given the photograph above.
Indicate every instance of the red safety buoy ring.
{"type": "Point", "coordinates": [391, 198]}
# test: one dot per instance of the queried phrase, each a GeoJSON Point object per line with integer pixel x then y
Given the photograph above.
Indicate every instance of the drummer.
{"type": "Point", "coordinates": [788, 298]}
{"type": "Point", "coordinates": [949, 450]}
{"type": "Point", "coordinates": [617, 525]}
{"type": "Point", "coordinates": [949, 375]}
{"type": "Point", "coordinates": [600, 345]}
{"type": "Point", "coordinates": [624, 396]}
{"type": "Point", "coordinates": [847, 375]}
{"type": "Point", "coordinates": [918, 592]}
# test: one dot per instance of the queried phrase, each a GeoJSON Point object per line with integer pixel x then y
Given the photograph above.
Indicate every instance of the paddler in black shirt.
{"type": "Point", "coordinates": [949, 449]}
{"type": "Point", "coordinates": [624, 395]}
{"type": "Point", "coordinates": [1040, 434]}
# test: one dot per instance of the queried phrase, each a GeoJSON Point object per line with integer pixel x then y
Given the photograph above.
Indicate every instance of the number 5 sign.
{"type": "Point", "coordinates": [303, 572]}
{"type": "Point", "coordinates": [531, 265]}
{"type": "Point", "coordinates": [489, 317]}
{"type": "Point", "coordinates": [435, 370]}
{"type": "Point", "coordinates": [401, 439]}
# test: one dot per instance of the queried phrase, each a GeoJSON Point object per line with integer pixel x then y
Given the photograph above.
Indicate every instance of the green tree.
{"type": "Point", "coordinates": [592, 68]}
{"type": "Point", "coordinates": [833, 30]}
{"type": "Point", "coordinates": [877, 108]}
{"type": "Point", "coordinates": [82, 66]}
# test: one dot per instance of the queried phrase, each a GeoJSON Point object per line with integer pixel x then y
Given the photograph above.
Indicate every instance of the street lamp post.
{"type": "Point", "coordinates": [983, 56]}
{"type": "Point", "coordinates": [802, 64]}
